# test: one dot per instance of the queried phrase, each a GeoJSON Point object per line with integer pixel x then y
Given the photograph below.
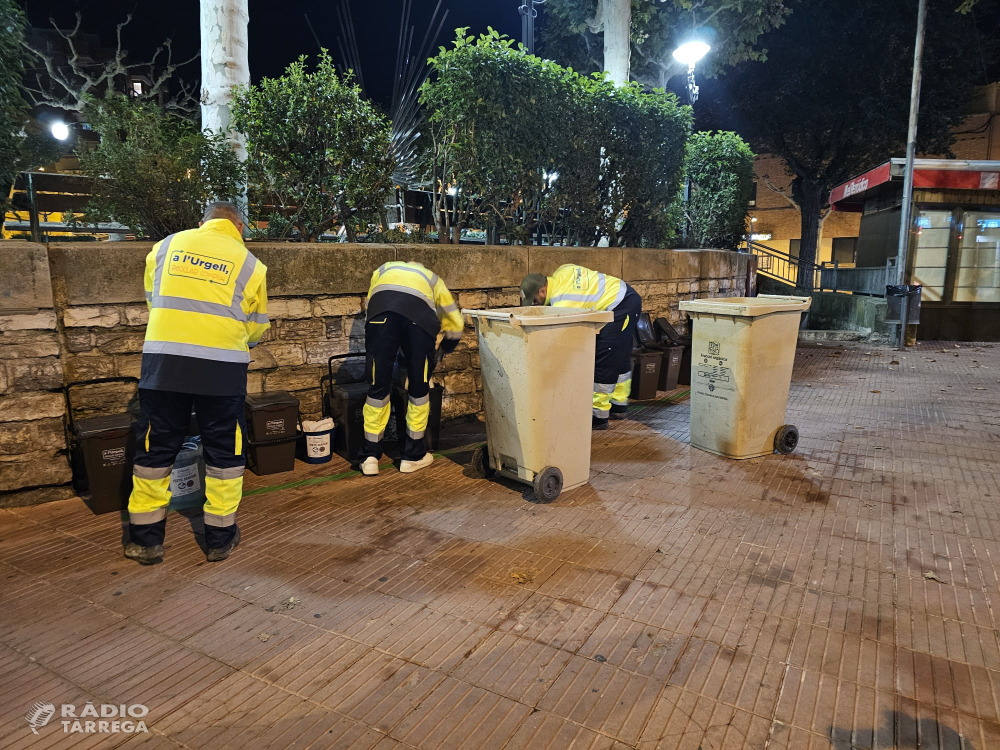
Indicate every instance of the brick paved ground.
{"type": "Point", "coordinates": [680, 601]}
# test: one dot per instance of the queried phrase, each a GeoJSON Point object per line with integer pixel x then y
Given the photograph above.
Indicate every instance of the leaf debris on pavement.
{"type": "Point", "coordinates": [930, 575]}
{"type": "Point", "coordinates": [288, 604]}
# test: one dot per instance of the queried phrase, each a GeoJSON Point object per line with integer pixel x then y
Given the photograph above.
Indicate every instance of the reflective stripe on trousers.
{"type": "Point", "coordinates": [376, 415]}
{"type": "Point", "coordinates": [418, 411]}
{"type": "Point", "coordinates": [602, 399]}
{"type": "Point", "coordinates": [619, 397]}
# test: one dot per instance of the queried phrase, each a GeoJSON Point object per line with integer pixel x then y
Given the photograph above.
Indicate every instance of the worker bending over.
{"type": "Point", "coordinates": [408, 305]}
{"type": "Point", "coordinates": [580, 288]}
{"type": "Point", "coordinates": [207, 305]}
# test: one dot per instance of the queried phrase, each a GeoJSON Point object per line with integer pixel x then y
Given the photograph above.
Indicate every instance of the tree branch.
{"type": "Point", "coordinates": [69, 85]}
{"type": "Point", "coordinates": [780, 191]}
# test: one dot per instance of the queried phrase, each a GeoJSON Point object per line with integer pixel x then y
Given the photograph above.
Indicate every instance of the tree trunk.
{"type": "Point", "coordinates": [224, 64]}
{"type": "Point", "coordinates": [810, 196]}
{"type": "Point", "coordinates": [617, 46]}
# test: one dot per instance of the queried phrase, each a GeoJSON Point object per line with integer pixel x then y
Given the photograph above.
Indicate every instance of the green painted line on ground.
{"type": "Point", "coordinates": [665, 400]}
{"type": "Point", "coordinates": [344, 474]}
{"type": "Point", "coordinates": [471, 446]}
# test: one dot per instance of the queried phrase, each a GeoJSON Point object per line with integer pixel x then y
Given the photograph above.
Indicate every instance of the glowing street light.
{"type": "Point", "coordinates": [60, 131]}
{"type": "Point", "coordinates": [689, 53]}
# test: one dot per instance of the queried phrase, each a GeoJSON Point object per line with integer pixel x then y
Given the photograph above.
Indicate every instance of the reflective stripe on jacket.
{"type": "Point", "coordinates": [207, 295]}
{"type": "Point", "coordinates": [421, 283]}
{"type": "Point", "coordinates": [583, 289]}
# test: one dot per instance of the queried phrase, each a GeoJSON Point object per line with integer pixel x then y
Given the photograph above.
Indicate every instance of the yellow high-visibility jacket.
{"type": "Point", "coordinates": [207, 298]}
{"type": "Point", "coordinates": [583, 289]}
{"type": "Point", "coordinates": [418, 293]}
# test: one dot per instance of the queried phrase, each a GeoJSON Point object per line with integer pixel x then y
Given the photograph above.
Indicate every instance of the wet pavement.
{"type": "Point", "coordinates": [838, 597]}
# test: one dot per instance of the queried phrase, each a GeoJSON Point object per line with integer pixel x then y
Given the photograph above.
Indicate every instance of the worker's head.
{"type": "Point", "coordinates": [223, 210]}
{"type": "Point", "coordinates": [534, 289]}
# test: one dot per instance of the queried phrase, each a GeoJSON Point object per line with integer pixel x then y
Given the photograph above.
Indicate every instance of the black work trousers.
{"type": "Point", "coordinates": [613, 366]}
{"type": "Point", "coordinates": [385, 335]}
{"type": "Point", "coordinates": [163, 424]}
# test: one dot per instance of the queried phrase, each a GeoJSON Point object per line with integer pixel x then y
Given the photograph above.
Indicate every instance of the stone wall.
{"type": "Point", "coordinates": [32, 405]}
{"type": "Point", "coordinates": [73, 319]}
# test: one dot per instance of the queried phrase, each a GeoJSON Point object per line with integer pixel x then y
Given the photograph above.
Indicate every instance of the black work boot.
{"type": "Point", "coordinates": [618, 412]}
{"type": "Point", "coordinates": [221, 553]}
{"type": "Point", "coordinates": [144, 555]}
{"type": "Point", "coordinates": [145, 542]}
{"type": "Point", "coordinates": [599, 424]}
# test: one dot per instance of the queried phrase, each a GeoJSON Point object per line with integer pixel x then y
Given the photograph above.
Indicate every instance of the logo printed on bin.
{"type": "Point", "coordinates": [274, 426]}
{"type": "Point", "coordinates": [713, 348]}
{"type": "Point", "coordinates": [200, 267]}
{"type": "Point", "coordinates": [113, 456]}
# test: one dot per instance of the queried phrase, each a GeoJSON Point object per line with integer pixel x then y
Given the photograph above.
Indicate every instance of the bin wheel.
{"type": "Point", "coordinates": [481, 463]}
{"type": "Point", "coordinates": [787, 439]}
{"type": "Point", "coordinates": [548, 484]}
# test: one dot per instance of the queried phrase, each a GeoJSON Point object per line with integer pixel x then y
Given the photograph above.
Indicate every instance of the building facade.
{"type": "Point", "coordinates": [777, 222]}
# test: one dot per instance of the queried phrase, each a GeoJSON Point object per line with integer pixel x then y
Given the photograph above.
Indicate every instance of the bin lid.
{"type": "Point", "coordinates": [107, 426]}
{"type": "Point", "coordinates": [543, 315]}
{"type": "Point", "coordinates": [349, 390]}
{"type": "Point", "coordinates": [271, 400]}
{"type": "Point", "coordinates": [747, 307]}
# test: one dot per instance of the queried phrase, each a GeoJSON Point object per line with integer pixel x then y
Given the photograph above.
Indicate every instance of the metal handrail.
{"type": "Point", "coordinates": [782, 266]}
{"type": "Point", "coordinates": [825, 276]}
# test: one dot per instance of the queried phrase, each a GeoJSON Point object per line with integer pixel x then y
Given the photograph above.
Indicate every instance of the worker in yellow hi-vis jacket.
{"type": "Point", "coordinates": [582, 289]}
{"type": "Point", "coordinates": [207, 302]}
{"type": "Point", "coordinates": [408, 305]}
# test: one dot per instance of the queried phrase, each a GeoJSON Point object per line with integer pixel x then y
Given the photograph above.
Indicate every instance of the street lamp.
{"type": "Point", "coordinates": [689, 53]}
{"type": "Point", "coordinates": [60, 131]}
{"type": "Point", "coordinates": [528, 13]}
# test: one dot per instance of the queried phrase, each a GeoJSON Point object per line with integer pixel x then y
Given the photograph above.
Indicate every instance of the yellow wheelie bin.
{"type": "Point", "coordinates": [538, 372]}
{"type": "Point", "coordinates": [742, 353]}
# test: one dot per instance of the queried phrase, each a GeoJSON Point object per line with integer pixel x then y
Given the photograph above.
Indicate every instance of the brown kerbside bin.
{"type": "Point", "coordinates": [273, 422]}
{"type": "Point", "coordinates": [645, 375]}
{"type": "Point", "coordinates": [105, 446]}
{"type": "Point", "coordinates": [670, 367]}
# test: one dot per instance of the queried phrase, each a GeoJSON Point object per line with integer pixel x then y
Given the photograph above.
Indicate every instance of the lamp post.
{"type": "Point", "coordinates": [528, 13]}
{"type": "Point", "coordinates": [689, 53]}
{"type": "Point", "coordinates": [905, 214]}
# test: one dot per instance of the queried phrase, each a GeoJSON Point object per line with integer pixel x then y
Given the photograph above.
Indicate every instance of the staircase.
{"type": "Point", "coordinates": [780, 267]}
{"type": "Point", "coordinates": [784, 269]}
{"type": "Point", "coordinates": [857, 315]}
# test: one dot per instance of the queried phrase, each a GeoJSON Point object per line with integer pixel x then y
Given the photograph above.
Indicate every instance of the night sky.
{"type": "Point", "coordinates": [278, 29]}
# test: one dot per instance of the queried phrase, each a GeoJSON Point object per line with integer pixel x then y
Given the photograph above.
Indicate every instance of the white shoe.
{"type": "Point", "coordinates": [408, 467]}
{"type": "Point", "coordinates": [369, 467]}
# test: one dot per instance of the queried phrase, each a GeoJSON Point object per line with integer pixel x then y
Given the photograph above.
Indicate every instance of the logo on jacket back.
{"type": "Point", "coordinates": [200, 267]}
